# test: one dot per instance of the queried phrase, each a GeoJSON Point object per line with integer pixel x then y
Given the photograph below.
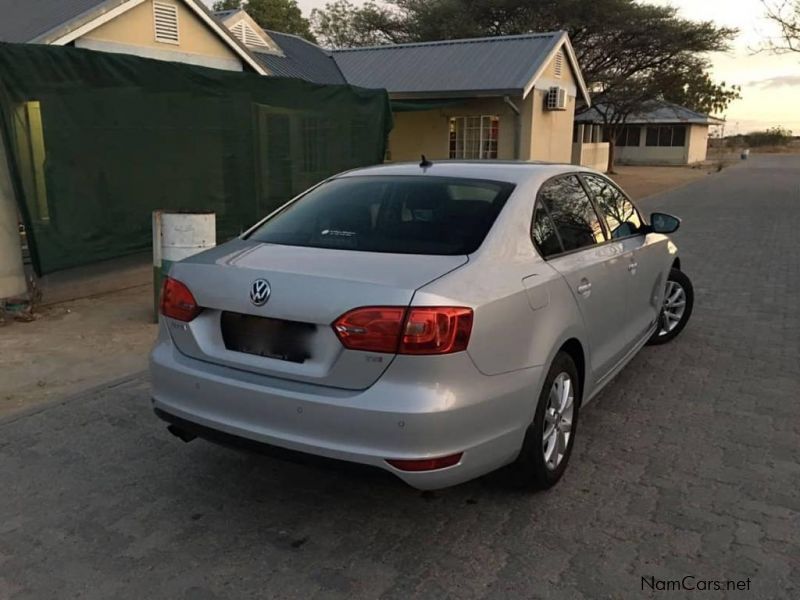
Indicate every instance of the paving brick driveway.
{"type": "Point", "coordinates": [689, 464]}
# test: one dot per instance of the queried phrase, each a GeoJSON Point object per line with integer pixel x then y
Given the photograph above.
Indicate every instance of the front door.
{"type": "Point", "coordinates": [595, 271]}
{"type": "Point", "coordinates": [642, 253]}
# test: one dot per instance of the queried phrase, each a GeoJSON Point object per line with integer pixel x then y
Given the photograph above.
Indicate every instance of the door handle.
{"type": "Point", "coordinates": [585, 288]}
{"type": "Point", "coordinates": [632, 266]}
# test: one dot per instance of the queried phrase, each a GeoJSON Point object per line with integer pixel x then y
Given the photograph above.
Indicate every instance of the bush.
{"type": "Point", "coordinates": [774, 136]}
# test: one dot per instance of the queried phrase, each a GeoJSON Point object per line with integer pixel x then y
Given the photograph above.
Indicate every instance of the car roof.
{"type": "Point", "coordinates": [495, 170]}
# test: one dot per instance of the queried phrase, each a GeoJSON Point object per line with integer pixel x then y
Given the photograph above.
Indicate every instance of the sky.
{"type": "Point", "coordinates": [770, 84]}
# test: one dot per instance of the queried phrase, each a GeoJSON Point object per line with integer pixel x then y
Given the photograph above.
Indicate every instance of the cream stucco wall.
{"type": "Point", "coordinates": [428, 132]}
{"type": "Point", "coordinates": [698, 143]}
{"type": "Point", "coordinates": [550, 137]}
{"type": "Point", "coordinates": [133, 32]}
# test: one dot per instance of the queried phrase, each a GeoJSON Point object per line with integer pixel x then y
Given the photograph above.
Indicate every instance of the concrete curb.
{"type": "Point", "coordinates": [83, 394]}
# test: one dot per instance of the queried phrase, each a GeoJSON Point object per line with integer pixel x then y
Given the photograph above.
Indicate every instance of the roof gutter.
{"type": "Point", "coordinates": [517, 126]}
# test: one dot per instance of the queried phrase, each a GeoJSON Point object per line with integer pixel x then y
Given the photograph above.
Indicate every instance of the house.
{"type": "Point", "coordinates": [175, 30]}
{"type": "Point", "coordinates": [662, 134]}
{"type": "Point", "coordinates": [509, 97]}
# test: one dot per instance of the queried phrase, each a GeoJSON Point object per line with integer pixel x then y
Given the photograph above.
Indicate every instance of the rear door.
{"type": "Point", "coordinates": [644, 255]}
{"type": "Point", "coordinates": [571, 236]}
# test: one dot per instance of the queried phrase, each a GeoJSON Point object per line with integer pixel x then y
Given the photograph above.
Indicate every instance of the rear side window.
{"type": "Point", "coordinates": [399, 214]}
{"type": "Point", "coordinates": [571, 213]}
{"type": "Point", "coordinates": [620, 214]}
{"type": "Point", "coordinates": [544, 232]}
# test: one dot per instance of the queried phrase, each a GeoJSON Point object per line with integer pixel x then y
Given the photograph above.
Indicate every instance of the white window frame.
{"type": "Point", "coordinates": [482, 153]}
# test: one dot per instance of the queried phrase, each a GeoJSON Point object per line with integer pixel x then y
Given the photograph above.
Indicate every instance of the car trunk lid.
{"type": "Point", "coordinates": [290, 335]}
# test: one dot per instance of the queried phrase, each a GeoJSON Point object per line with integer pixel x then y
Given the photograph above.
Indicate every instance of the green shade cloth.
{"type": "Point", "coordinates": [98, 141]}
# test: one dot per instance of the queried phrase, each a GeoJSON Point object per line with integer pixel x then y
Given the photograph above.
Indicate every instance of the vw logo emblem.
{"type": "Point", "coordinates": [259, 292]}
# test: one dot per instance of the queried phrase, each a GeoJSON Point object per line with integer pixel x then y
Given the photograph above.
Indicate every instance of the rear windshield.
{"type": "Point", "coordinates": [400, 214]}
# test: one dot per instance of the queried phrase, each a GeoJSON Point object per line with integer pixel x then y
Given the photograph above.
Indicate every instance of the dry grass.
{"type": "Point", "coordinates": [640, 182]}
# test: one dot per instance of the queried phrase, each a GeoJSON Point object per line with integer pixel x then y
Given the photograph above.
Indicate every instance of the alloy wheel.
{"type": "Point", "coordinates": [558, 420]}
{"type": "Point", "coordinates": [673, 308]}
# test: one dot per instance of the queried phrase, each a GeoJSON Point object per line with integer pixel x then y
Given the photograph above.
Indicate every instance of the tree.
{"type": "Point", "coordinates": [279, 15]}
{"type": "Point", "coordinates": [786, 15]}
{"type": "Point", "coordinates": [342, 25]}
{"type": "Point", "coordinates": [694, 89]}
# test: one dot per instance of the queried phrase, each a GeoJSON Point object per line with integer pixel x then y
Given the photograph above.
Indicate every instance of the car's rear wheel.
{"type": "Point", "coordinates": [549, 439]}
{"type": "Point", "coordinates": [676, 309]}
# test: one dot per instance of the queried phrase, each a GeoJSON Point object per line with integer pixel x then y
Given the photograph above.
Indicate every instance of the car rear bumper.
{"type": "Point", "coordinates": [422, 407]}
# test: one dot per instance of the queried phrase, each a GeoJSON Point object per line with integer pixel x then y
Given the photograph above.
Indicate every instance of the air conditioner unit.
{"type": "Point", "coordinates": [556, 99]}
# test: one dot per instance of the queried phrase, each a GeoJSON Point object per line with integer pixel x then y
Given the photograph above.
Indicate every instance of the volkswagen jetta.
{"type": "Point", "coordinates": [438, 321]}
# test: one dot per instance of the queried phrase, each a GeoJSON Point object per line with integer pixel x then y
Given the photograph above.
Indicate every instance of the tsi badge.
{"type": "Point", "coordinates": [259, 292]}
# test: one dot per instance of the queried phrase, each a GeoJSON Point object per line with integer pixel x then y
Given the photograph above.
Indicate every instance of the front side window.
{"type": "Point", "coordinates": [572, 213]}
{"type": "Point", "coordinates": [474, 138]}
{"type": "Point", "coordinates": [399, 214]}
{"type": "Point", "coordinates": [620, 214]}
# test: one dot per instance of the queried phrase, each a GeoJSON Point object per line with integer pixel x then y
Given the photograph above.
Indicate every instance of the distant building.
{"type": "Point", "coordinates": [665, 134]}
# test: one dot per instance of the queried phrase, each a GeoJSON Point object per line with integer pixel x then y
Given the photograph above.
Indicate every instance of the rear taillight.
{"type": "Point", "coordinates": [374, 328]}
{"type": "Point", "coordinates": [416, 330]}
{"type": "Point", "coordinates": [436, 330]}
{"type": "Point", "coordinates": [177, 301]}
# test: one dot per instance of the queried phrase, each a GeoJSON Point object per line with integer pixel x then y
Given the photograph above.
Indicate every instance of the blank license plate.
{"type": "Point", "coordinates": [272, 338]}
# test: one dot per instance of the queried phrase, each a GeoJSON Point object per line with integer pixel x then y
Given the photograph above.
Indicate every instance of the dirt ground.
{"type": "Point", "coordinates": [74, 346]}
{"type": "Point", "coordinates": [79, 344]}
{"type": "Point", "coordinates": [640, 182]}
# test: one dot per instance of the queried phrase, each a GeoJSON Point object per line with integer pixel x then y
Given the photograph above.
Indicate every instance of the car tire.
{"type": "Point", "coordinates": [535, 468]}
{"type": "Point", "coordinates": [679, 287]}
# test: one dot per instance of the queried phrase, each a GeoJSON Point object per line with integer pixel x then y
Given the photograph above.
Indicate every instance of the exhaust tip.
{"type": "Point", "coordinates": [182, 434]}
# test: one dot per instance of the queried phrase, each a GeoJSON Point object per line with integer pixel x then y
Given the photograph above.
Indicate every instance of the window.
{"type": "Point", "coordinates": [166, 22]}
{"type": "Point", "coordinates": [544, 233]}
{"type": "Point", "coordinates": [474, 137]}
{"type": "Point", "coordinates": [571, 212]}
{"type": "Point", "coordinates": [666, 135]}
{"type": "Point", "coordinates": [406, 215]}
{"type": "Point", "coordinates": [620, 214]}
{"type": "Point", "coordinates": [629, 135]}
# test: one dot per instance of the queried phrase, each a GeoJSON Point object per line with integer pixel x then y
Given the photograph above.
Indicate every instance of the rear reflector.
{"type": "Point", "coordinates": [395, 329]}
{"type": "Point", "coordinates": [177, 302]}
{"type": "Point", "coordinates": [426, 464]}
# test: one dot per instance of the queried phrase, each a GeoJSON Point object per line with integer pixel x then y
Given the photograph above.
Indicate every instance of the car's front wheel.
{"type": "Point", "coordinates": [549, 439]}
{"type": "Point", "coordinates": [676, 309]}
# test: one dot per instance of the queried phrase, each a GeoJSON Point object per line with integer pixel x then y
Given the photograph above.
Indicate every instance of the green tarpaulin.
{"type": "Point", "coordinates": [98, 141]}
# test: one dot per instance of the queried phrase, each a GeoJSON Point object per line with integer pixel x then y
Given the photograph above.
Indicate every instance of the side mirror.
{"type": "Point", "coordinates": [664, 223]}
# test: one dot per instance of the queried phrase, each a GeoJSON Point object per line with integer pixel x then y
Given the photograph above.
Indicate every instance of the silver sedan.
{"type": "Point", "coordinates": [438, 321]}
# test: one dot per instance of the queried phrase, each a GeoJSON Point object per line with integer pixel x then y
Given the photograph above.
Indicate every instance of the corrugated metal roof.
{"type": "Point", "coordinates": [493, 64]}
{"type": "Point", "coordinates": [302, 60]}
{"type": "Point", "coordinates": [657, 112]}
{"type": "Point", "coordinates": [26, 20]}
